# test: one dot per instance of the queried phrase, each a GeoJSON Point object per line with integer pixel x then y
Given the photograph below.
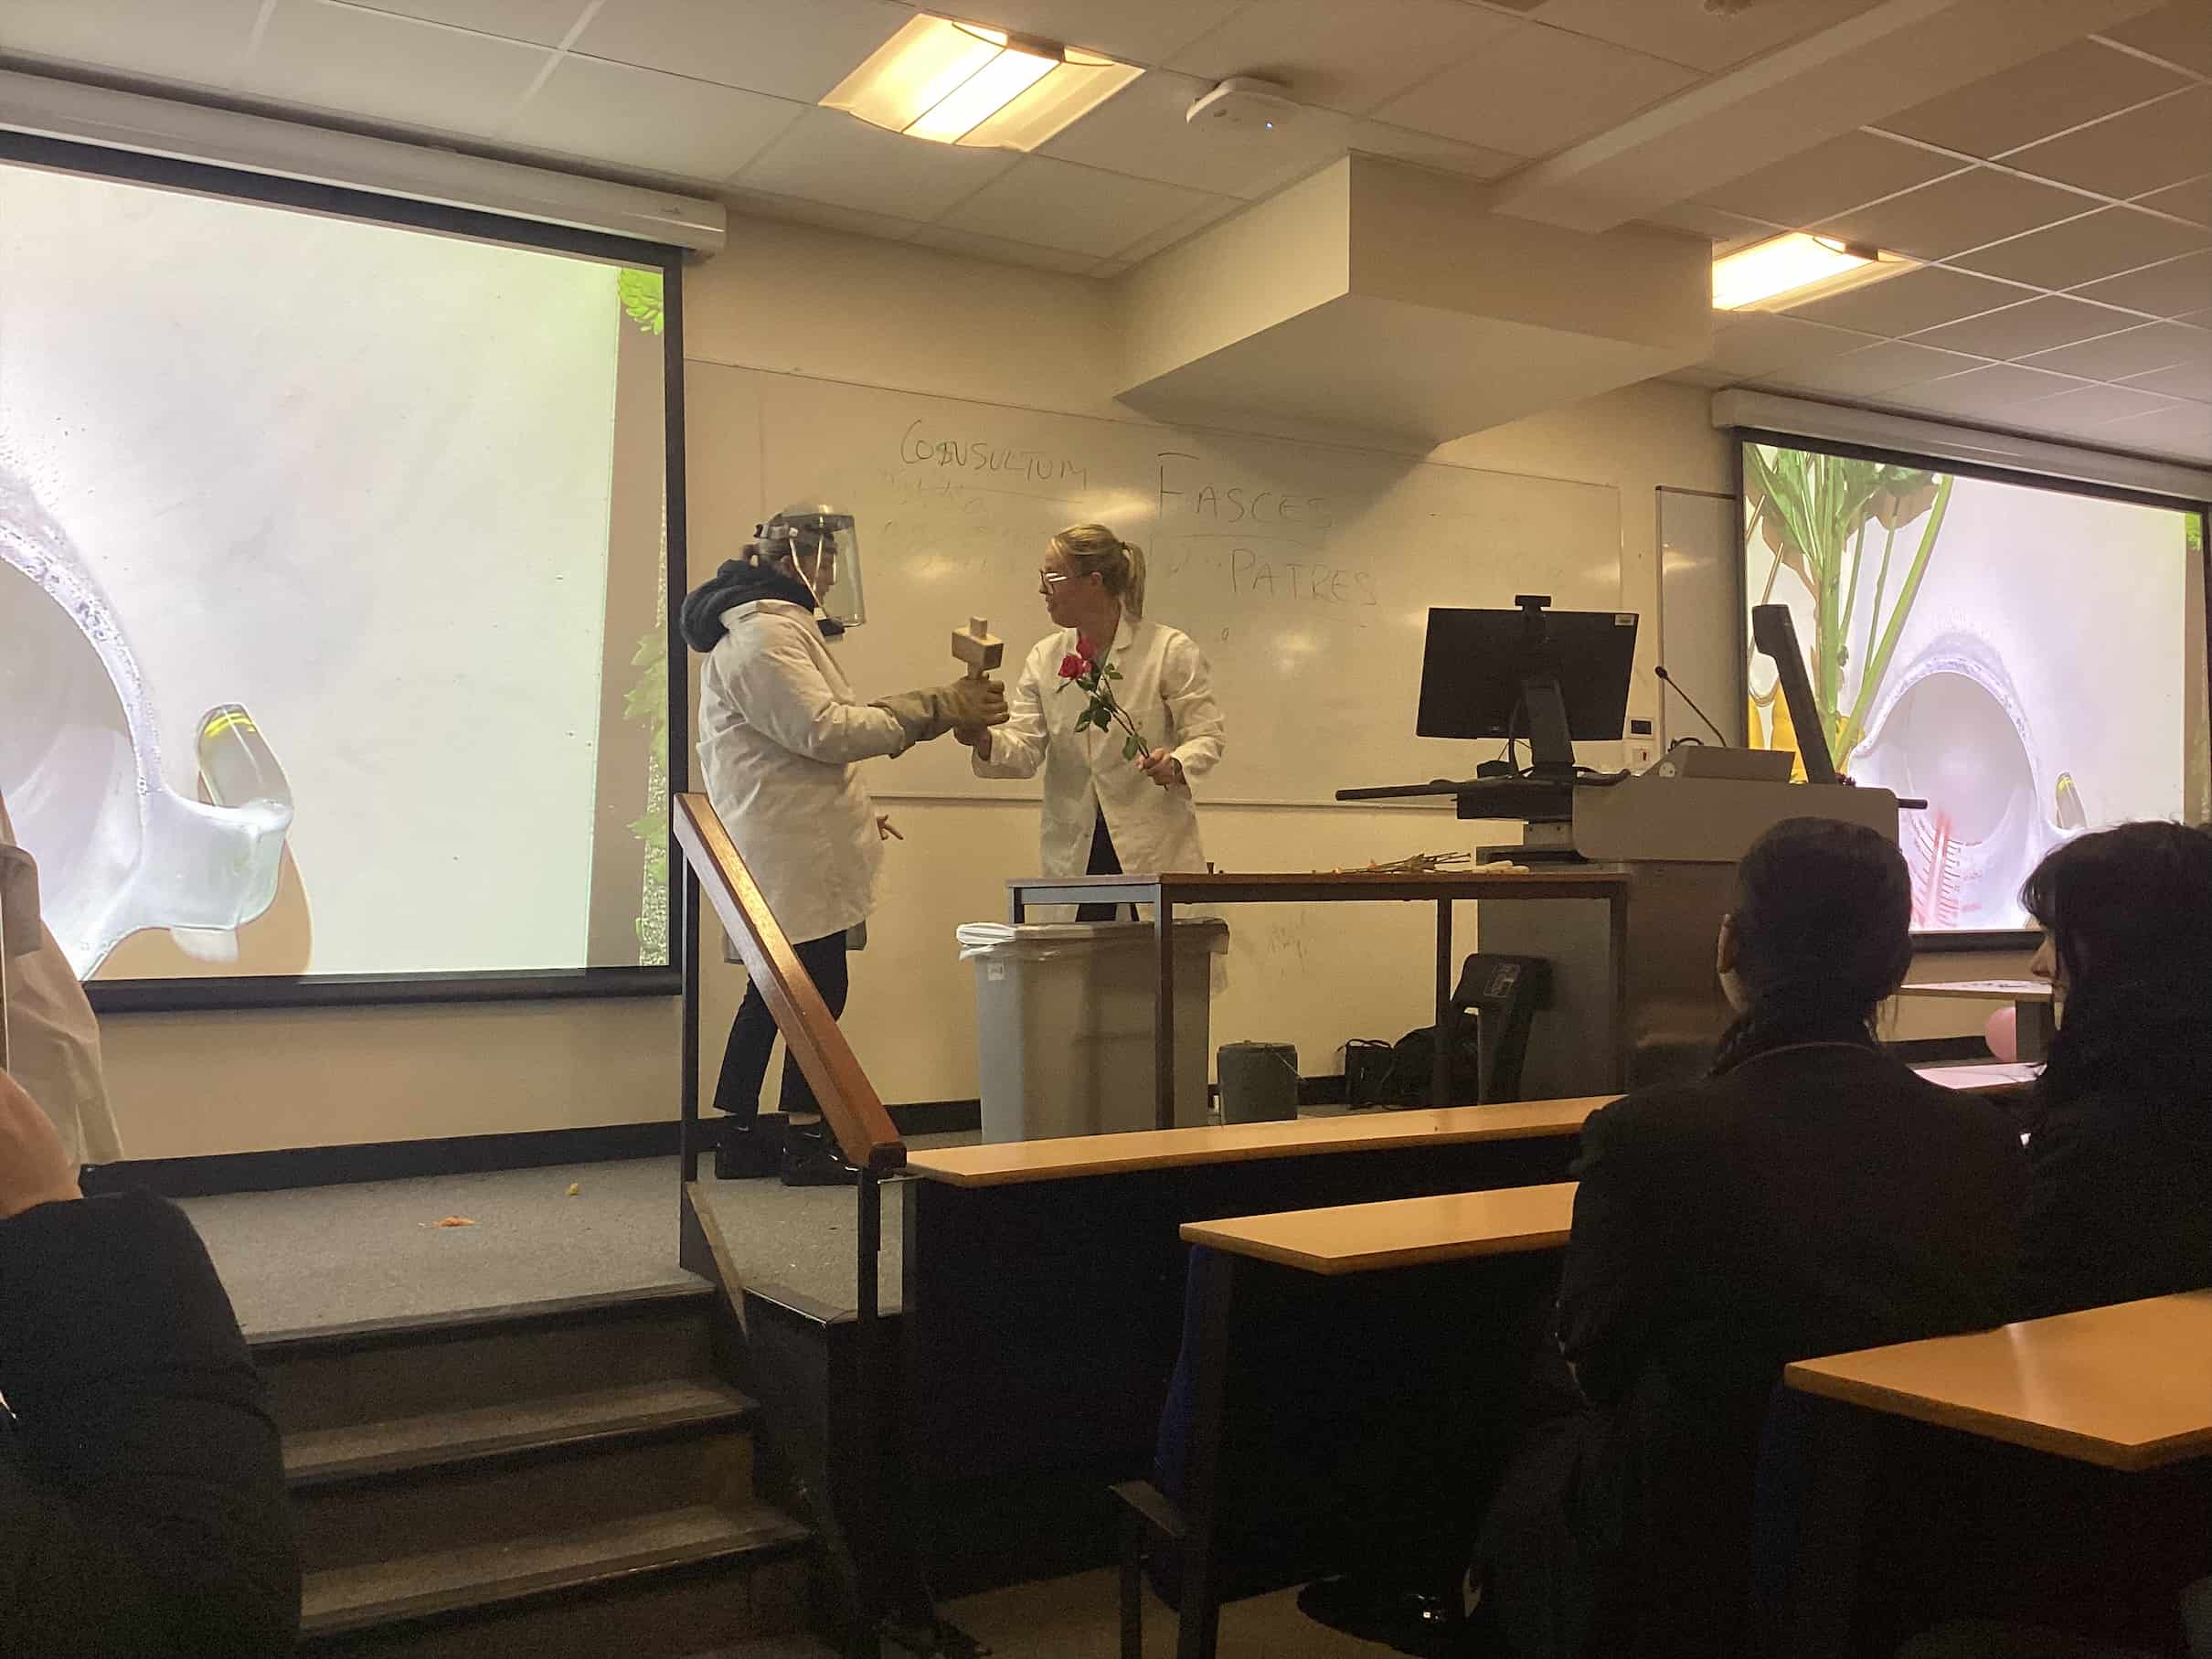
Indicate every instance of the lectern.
{"type": "Point", "coordinates": [1679, 840]}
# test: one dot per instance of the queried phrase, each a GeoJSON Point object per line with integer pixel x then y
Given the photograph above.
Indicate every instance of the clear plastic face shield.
{"type": "Point", "coordinates": [823, 547]}
{"type": "Point", "coordinates": [84, 777]}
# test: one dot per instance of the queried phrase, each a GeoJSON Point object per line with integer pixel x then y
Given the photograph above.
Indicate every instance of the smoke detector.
{"type": "Point", "coordinates": [1244, 104]}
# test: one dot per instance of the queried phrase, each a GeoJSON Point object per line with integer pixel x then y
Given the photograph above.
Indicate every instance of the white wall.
{"type": "Point", "coordinates": [815, 302]}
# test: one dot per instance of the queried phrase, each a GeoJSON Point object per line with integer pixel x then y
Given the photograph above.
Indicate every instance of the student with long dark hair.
{"type": "Point", "coordinates": [2120, 1145]}
{"type": "Point", "coordinates": [1811, 1197]}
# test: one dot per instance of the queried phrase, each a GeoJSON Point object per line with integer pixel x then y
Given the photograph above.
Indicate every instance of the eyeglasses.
{"type": "Point", "coordinates": [1048, 579]}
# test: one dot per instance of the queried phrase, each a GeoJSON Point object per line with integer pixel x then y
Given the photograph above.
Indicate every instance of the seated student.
{"type": "Point", "coordinates": [2120, 1202]}
{"type": "Point", "coordinates": [1811, 1197]}
{"type": "Point", "coordinates": [142, 1509]}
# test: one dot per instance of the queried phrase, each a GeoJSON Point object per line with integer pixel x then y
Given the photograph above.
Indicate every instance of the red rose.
{"type": "Point", "coordinates": [1073, 667]}
{"type": "Point", "coordinates": [1086, 650]}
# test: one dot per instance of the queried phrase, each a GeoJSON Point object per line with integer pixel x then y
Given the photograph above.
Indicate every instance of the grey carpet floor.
{"type": "Point", "coordinates": [321, 1256]}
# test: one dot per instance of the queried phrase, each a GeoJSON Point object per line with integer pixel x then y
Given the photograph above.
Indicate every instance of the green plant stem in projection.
{"type": "Point", "coordinates": [1816, 513]}
{"type": "Point", "coordinates": [646, 701]}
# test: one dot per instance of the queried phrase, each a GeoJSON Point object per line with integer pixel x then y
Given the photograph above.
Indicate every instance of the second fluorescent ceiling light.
{"type": "Point", "coordinates": [1794, 269]}
{"type": "Point", "coordinates": [960, 83]}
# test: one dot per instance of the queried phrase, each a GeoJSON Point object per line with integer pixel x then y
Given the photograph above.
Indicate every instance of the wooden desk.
{"type": "Point", "coordinates": [2128, 1387]}
{"type": "Point", "coordinates": [2035, 1007]}
{"type": "Point", "coordinates": [1398, 1232]}
{"type": "Point", "coordinates": [1043, 1299]}
{"type": "Point", "coordinates": [1071, 1157]}
{"type": "Point", "coordinates": [1443, 889]}
{"type": "Point", "coordinates": [1338, 1359]}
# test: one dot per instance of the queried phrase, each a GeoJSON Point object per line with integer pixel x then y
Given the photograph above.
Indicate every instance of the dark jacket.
{"type": "Point", "coordinates": [738, 583]}
{"type": "Point", "coordinates": [2119, 1196]}
{"type": "Point", "coordinates": [1813, 1200]}
{"type": "Point", "coordinates": [141, 1491]}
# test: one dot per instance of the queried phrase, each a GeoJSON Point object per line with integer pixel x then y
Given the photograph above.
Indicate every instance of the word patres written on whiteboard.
{"type": "Point", "coordinates": [1272, 539]}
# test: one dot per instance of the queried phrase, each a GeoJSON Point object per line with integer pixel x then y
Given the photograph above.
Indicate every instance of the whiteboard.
{"type": "Point", "coordinates": [1304, 571]}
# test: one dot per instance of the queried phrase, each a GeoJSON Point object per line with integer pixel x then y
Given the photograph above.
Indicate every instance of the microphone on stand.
{"type": "Point", "coordinates": [1669, 679]}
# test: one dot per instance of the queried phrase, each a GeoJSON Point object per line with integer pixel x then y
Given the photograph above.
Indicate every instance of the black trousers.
{"type": "Point", "coordinates": [1104, 861]}
{"type": "Point", "coordinates": [753, 1033]}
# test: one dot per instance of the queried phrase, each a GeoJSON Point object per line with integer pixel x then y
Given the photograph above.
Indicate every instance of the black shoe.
{"type": "Point", "coordinates": [745, 1153]}
{"type": "Point", "coordinates": [1376, 1611]}
{"type": "Point", "coordinates": [812, 1159]}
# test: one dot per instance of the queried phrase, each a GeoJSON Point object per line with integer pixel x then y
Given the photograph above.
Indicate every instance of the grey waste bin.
{"type": "Point", "coordinates": [1064, 1016]}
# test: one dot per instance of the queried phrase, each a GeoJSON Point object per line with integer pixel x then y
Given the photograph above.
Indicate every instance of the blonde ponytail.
{"type": "Point", "coordinates": [1092, 549]}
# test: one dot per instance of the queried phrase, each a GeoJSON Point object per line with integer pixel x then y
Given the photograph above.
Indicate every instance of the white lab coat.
{"type": "Point", "coordinates": [1166, 688]}
{"type": "Point", "coordinates": [779, 732]}
{"type": "Point", "coordinates": [53, 1042]}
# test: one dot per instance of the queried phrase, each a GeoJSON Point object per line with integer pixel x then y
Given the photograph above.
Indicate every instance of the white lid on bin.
{"type": "Point", "coordinates": [1037, 937]}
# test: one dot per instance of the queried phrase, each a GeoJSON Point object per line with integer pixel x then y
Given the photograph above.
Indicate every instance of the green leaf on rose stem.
{"type": "Point", "coordinates": [1129, 749]}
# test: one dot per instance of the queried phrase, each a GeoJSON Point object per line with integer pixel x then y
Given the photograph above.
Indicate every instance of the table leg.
{"type": "Point", "coordinates": [1625, 1039]}
{"type": "Point", "coordinates": [1447, 1016]}
{"type": "Point", "coordinates": [2034, 1026]}
{"type": "Point", "coordinates": [1017, 906]}
{"type": "Point", "coordinates": [1163, 1016]}
{"type": "Point", "coordinates": [1213, 1276]}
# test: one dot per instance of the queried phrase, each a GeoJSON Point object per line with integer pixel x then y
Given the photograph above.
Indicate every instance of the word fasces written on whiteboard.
{"type": "Point", "coordinates": [919, 446]}
{"type": "Point", "coordinates": [1187, 493]}
{"type": "Point", "coordinates": [1241, 533]}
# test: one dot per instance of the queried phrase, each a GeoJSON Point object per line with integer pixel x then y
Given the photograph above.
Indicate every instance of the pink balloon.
{"type": "Point", "coordinates": [2002, 1033]}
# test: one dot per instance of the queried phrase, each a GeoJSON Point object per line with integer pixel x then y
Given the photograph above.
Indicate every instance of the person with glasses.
{"type": "Point", "coordinates": [1105, 812]}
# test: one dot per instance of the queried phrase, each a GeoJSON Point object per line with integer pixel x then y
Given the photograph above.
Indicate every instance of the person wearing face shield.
{"type": "Point", "coordinates": [781, 736]}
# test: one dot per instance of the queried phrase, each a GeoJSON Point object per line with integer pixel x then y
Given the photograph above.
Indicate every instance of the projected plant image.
{"type": "Point", "coordinates": [1813, 513]}
{"type": "Point", "coordinates": [646, 701]}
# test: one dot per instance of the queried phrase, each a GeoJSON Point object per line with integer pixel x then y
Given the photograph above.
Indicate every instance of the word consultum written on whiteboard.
{"type": "Point", "coordinates": [918, 447]}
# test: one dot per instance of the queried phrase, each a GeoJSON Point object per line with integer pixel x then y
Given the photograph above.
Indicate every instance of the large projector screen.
{"type": "Point", "coordinates": [332, 589]}
{"type": "Point", "coordinates": [2028, 658]}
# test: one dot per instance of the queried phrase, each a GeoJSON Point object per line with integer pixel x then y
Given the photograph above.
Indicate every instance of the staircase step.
{"type": "Point", "coordinates": [526, 1430]}
{"type": "Point", "coordinates": [390, 1369]}
{"type": "Point", "coordinates": [721, 1575]}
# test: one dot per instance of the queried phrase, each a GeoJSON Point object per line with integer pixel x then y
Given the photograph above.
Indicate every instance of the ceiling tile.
{"type": "Point", "coordinates": [2147, 149]}
{"type": "Point", "coordinates": [2184, 430]}
{"type": "Point", "coordinates": [763, 45]}
{"type": "Point", "coordinates": [1726, 231]}
{"type": "Point", "coordinates": [2171, 290]}
{"type": "Point", "coordinates": [1106, 269]}
{"type": "Point", "coordinates": [1141, 131]}
{"type": "Point", "coordinates": [1906, 304]}
{"type": "Point", "coordinates": [391, 68]}
{"type": "Point", "coordinates": [2192, 201]}
{"type": "Point", "coordinates": [828, 156]}
{"type": "Point", "coordinates": [1136, 31]}
{"type": "Point", "coordinates": [1428, 150]}
{"type": "Point", "coordinates": [1056, 204]}
{"type": "Point", "coordinates": [1002, 252]}
{"type": "Point", "coordinates": [2133, 351]}
{"type": "Point", "coordinates": [1534, 90]}
{"type": "Point", "coordinates": [541, 22]}
{"type": "Point", "coordinates": [1845, 172]}
{"type": "Point", "coordinates": [2178, 33]}
{"type": "Point", "coordinates": [1955, 214]}
{"type": "Point", "coordinates": [1752, 343]}
{"type": "Point", "coordinates": [1994, 393]}
{"type": "Point", "coordinates": [1167, 236]}
{"type": "Point", "coordinates": [203, 43]}
{"type": "Point", "coordinates": [2083, 249]}
{"type": "Point", "coordinates": [2091, 406]}
{"type": "Point", "coordinates": [2038, 325]}
{"type": "Point", "coordinates": [2079, 82]}
{"type": "Point", "coordinates": [2182, 381]}
{"type": "Point", "coordinates": [1874, 369]}
{"type": "Point", "coordinates": [1344, 56]}
{"type": "Point", "coordinates": [759, 204]}
{"type": "Point", "coordinates": [1694, 33]}
{"type": "Point", "coordinates": [641, 118]}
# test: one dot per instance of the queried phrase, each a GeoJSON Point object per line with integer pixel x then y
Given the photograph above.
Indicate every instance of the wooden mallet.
{"type": "Point", "coordinates": [977, 647]}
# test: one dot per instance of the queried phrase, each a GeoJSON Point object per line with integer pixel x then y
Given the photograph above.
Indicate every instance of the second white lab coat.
{"type": "Point", "coordinates": [780, 736]}
{"type": "Point", "coordinates": [53, 1041]}
{"type": "Point", "coordinates": [1167, 689]}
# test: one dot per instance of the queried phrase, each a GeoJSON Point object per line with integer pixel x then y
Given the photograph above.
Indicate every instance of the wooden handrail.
{"type": "Point", "coordinates": [848, 1101]}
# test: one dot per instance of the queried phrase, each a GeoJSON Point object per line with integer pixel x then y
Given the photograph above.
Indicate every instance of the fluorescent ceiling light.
{"type": "Point", "coordinates": [960, 83]}
{"type": "Point", "coordinates": [1795, 265]}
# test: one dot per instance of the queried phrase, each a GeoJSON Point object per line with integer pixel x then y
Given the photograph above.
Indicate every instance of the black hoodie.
{"type": "Point", "coordinates": [738, 583]}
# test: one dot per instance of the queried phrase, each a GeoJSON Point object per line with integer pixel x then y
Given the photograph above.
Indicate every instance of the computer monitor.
{"type": "Point", "coordinates": [1555, 677]}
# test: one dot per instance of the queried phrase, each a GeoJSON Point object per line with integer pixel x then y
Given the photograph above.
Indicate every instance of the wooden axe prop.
{"type": "Point", "coordinates": [978, 647]}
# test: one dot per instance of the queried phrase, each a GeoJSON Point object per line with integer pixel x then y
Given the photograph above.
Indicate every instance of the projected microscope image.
{"type": "Point", "coordinates": [121, 850]}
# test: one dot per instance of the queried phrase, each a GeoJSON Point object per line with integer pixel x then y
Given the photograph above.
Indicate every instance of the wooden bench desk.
{"type": "Point", "coordinates": [2056, 1472]}
{"type": "Point", "coordinates": [1350, 1368]}
{"type": "Point", "coordinates": [1043, 1299]}
{"type": "Point", "coordinates": [2127, 1387]}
